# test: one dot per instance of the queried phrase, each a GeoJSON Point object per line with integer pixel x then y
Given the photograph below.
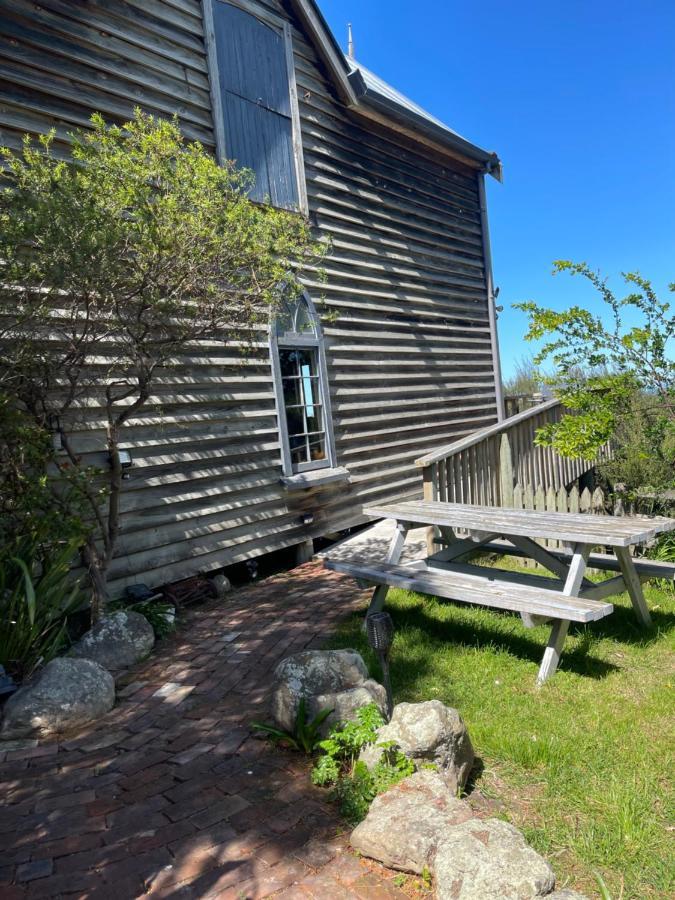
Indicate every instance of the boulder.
{"type": "Point", "coordinates": [428, 732]}
{"type": "Point", "coordinates": [489, 860]}
{"type": "Point", "coordinates": [118, 640]}
{"type": "Point", "coordinates": [66, 694]}
{"type": "Point", "coordinates": [404, 825]}
{"type": "Point", "coordinates": [336, 679]}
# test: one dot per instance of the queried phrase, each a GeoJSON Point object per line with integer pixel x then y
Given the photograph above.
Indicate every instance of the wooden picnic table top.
{"type": "Point", "coordinates": [614, 531]}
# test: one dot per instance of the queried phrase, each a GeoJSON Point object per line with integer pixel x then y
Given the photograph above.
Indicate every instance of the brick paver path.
{"type": "Point", "coordinates": [169, 795]}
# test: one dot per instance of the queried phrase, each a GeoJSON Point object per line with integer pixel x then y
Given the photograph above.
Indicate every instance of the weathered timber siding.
{"type": "Point", "coordinates": [409, 355]}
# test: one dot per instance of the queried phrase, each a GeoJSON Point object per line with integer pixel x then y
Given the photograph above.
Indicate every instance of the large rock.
{"type": "Point", "coordinates": [117, 640]}
{"type": "Point", "coordinates": [489, 860]}
{"type": "Point", "coordinates": [404, 825]}
{"type": "Point", "coordinates": [428, 732]}
{"type": "Point", "coordinates": [66, 694]}
{"type": "Point", "coordinates": [335, 679]}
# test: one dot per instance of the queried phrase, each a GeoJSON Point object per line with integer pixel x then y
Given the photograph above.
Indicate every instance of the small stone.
{"type": "Point", "coordinates": [428, 733]}
{"type": "Point", "coordinates": [566, 894]}
{"type": "Point", "coordinates": [221, 583]}
{"type": "Point", "coordinates": [405, 824]}
{"type": "Point", "coordinates": [117, 640]}
{"type": "Point", "coordinates": [66, 694]}
{"type": "Point", "coordinates": [489, 860]}
{"type": "Point", "coordinates": [327, 679]}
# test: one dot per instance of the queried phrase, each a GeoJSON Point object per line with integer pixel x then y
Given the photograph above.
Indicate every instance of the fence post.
{"type": "Point", "coordinates": [429, 495]}
{"type": "Point", "coordinates": [505, 472]}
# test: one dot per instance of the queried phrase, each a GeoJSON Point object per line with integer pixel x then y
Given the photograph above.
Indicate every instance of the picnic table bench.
{"type": "Point", "coordinates": [567, 597]}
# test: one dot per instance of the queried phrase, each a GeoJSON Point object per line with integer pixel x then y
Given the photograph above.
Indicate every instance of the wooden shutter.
{"type": "Point", "coordinates": [256, 102]}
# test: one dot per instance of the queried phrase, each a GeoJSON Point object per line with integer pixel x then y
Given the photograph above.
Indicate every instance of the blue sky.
{"type": "Point", "coordinates": [578, 99]}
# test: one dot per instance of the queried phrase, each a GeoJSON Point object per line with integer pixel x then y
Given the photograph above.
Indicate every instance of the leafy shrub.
{"type": "Point", "coordinates": [158, 613]}
{"type": "Point", "coordinates": [30, 507]}
{"type": "Point", "coordinates": [345, 742]}
{"type": "Point", "coordinates": [305, 736]}
{"type": "Point", "coordinates": [354, 785]}
{"type": "Point", "coordinates": [37, 594]}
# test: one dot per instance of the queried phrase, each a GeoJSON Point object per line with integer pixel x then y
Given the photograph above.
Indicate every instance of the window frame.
{"type": "Point", "coordinates": [314, 342]}
{"type": "Point", "coordinates": [284, 29]}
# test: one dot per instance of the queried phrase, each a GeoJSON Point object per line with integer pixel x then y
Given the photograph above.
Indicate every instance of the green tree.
{"type": "Point", "coordinates": [613, 375]}
{"type": "Point", "coordinates": [114, 265]}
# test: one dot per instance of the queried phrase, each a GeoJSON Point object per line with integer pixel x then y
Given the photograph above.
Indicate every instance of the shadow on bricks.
{"type": "Point", "coordinates": [169, 795]}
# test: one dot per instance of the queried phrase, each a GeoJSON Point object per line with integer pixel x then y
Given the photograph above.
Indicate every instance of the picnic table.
{"type": "Point", "coordinates": [566, 597]}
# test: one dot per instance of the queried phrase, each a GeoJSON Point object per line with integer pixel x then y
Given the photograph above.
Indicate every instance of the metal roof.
{"type": "Point", "coordinates": [379, 93]}
{"type": "Point", "coordinates": [376, 84]}
{"type": "Point", "coordinates": [360, 88]}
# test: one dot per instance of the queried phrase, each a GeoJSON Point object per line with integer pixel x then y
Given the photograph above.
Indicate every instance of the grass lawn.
{"type": "Point", "coordinates": [584, 764]}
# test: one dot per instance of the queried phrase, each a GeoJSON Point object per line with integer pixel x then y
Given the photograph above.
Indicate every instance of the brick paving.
{"type": "Point", "coordinates": [169, 795]}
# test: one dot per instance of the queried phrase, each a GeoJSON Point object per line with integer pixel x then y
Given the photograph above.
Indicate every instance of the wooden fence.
{"type": "Point", "coordinates": [485, 467]}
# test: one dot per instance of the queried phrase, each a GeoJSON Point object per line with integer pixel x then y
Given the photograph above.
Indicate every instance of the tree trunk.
{"type": "Point", "coordinates": [97, 579]}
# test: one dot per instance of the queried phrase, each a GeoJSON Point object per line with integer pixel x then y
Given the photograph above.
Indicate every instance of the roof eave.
{"type": "Point", "coordinates": [487, 160]}
{"type": "Point", "coordinates": [354, 93]}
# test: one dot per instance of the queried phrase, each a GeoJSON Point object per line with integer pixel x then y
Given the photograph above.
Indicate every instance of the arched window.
{"type": "Point", "coordinates": [301, 383]}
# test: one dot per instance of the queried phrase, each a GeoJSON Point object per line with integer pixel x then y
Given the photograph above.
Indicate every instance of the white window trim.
{"type": "Point", "coordinates": [315, 342]}
{"type": "Point", "coordinates": [285, 29]}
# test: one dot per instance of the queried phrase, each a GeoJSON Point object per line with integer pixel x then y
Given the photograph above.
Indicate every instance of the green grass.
{"type": "Point", "coordinates": [584, 764]}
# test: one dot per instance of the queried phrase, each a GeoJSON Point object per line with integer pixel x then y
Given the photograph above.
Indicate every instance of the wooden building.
{"type": "Point", "coordinates": [230, 464]}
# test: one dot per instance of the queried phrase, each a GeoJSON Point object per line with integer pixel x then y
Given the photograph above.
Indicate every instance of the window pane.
{"type": "Point", "coordinates": [315, 421]}
{"type": "Point", "coordinates": [299, 454]}
{"type": "Point", "coordinates": [295, 420]}
{"type": "Point", "coordinates": [292, 394]}
{"type": "Point", "coordinates": [317, 446]}
{"type": "Point", "coordinates": [288, 361]}
{"type": "Point", "coordinates": [303, 319]}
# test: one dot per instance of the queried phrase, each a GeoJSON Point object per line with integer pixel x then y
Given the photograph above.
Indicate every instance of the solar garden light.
{"type": "Point", "coordinates": [380, 631]}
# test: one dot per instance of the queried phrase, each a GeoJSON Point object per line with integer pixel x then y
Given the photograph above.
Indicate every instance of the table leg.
{"type": "Point", "coordinates": [633, 585]}
{"type": "Point", "coordinates": [393, 557]}
{"type": "Point", "coordinates": [556, 641]}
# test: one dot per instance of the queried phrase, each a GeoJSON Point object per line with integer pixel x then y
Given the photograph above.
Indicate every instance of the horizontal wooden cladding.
{"type": "Point", "coordinates": [409, 354]}
{"type": "Point", "coordinates": [62, 61]}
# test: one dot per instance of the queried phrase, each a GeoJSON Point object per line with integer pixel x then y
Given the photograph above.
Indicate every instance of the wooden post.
{"type": "Point", "coordinates": [304, 551]}
{"type": "Point", "coordinates": [429, 495]}
{"type": "Point", "coordinates": [505, 472]}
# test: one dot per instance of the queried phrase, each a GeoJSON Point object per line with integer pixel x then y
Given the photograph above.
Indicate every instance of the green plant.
{"type": "Point", "coordinates": [664, 551]}
{"type": "Point", "coordinates": [305, 736]}
{"type": "Point", "coordinates": [602, 360]}
{"type": "Point", "coordinates": [354, 785]}
{"type": "Point", "coordinates": [29, 506]}
{"type": "Point", "coordinates": [159, 614]}
{"type": "Point", "coordinates": [609, 703]}
{"type": "Point", "coordinates": [604, 890]}
{"type": "Point", "coordinates": [37, 594]}
{"type": "Point", "coordinates": [344, 743]}
{"type": "Point", "coordinates": [145, 246]}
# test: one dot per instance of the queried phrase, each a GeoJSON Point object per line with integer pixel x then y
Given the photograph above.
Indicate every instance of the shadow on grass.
{"type": "Point", "coordinates": [480, 636]}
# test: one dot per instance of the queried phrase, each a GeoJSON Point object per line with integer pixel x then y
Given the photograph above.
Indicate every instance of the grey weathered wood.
{"type": "Point", "coordinates": [465, 585]}
{"type": "Point", "coordinates": [646, 568]}
{"type": "Point", "coordinates": [406, 279]}
{"type": "Point", "coordinates": [633, 585]}
{"type": "Point", "coordinates": [505, 472]}
{"type": "Point", "coordinates": [592, 530]}
{"type": "Point", "coordinates": [458, 548]}
{"type": "Point", "coordinates": [393, 556]}
{"type": "Point", "coordinates": [542, 555]}
{"type": "Point", "coordinates": [560, 628]}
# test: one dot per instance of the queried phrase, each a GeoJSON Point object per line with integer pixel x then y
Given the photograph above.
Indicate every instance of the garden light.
{"type": "Point", "coordinates": [380, 631]}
